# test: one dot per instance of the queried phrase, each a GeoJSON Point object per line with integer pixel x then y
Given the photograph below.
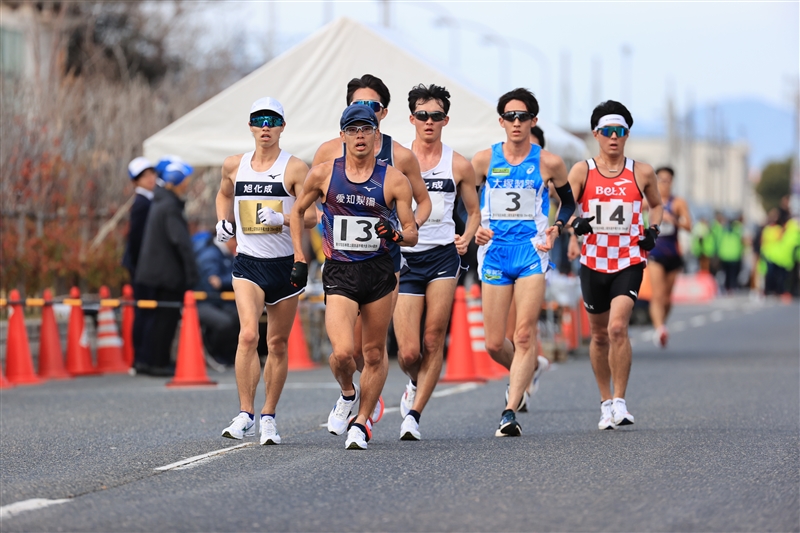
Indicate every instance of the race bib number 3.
{"type": "Point", "coordinates": [355, 233]}
{"type": "Point", "coordinates": [248, 216]}
{"type": "Point", "coordinates": [611, 217]}
{"type": "Point", "coordinates": [512, 204]}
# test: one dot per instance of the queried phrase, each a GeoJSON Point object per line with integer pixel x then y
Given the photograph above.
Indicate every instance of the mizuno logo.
{"type": "Point", "coordinates": [369, 188]}
{"type": "Point", "coordinates": [622, 182]}
{"type": "Point", "coordinates": [273, 176]}
{"type": "Point", "coordinates": [435, 173]}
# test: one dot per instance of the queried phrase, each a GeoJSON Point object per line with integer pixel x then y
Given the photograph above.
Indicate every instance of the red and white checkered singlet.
{"type": "Point", "coordinates": [616, 204]}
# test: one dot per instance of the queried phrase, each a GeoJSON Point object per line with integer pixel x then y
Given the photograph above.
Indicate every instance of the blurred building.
{"type": "Point", "coordinates": [27, 39]}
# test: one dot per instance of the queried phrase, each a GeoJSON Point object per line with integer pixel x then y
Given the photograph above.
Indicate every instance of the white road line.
{"type": "Point", "coordinates": [680, 325]}
{"type": "Point", "coordinates": [697, 321]}
{"type": "Point", "coordinates": [199, 457]}
{"type": "Point", "coordinates": [717, 316]}
{"type": "Point", "coordinates": [7, 511]}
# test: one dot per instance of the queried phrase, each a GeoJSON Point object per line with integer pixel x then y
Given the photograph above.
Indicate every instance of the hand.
{"type": "Point", "coordinates": [574, 249]}
{"type": "Point", "coordinates": [268, 217]}
{"type": "Point", "coordinates": [299, 276]}
{"type": "Point", "coordinates": [649, 241]}
{"type": "Point", "coordinates": [387, 232]}
{"type": "Point", "coordinates": [215, 281]}
{"type": "Point", "coordinates": [225, 230]}
{"type": "Point", "coordinates": [551, 235]}
{"type": "Point", "coordinates": [483, 236]}
{"type": "Point", "coordinates": [461, 243]}
{"type": "Point", "coordinates": [582, 226]}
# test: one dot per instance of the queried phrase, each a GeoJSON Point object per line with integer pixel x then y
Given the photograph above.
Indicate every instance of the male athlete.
{"type": "Point", "coordinates": [515, 239]}
{"type": "Point", "coordinates": [609, 190]}
{"type": "Point", "coordinates": [359, 195]}
{"type": "Point", "coordinates": [370, 91]}
{"type": "Point", "coordinates": [257, 191]}
{"type": "Point", "coordinates": [430, 282]}
{"type": "Point", "coordinates": [665, 261]}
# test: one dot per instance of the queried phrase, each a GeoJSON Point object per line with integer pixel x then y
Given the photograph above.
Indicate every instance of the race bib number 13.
{"type": "Point", "coordinates": [355, 233]}
{"type": "Point", "coordinates": [611, 217]}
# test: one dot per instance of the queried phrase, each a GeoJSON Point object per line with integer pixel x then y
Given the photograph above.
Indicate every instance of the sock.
{"type": "Point", "coordinates": [415, 414]}
{"type": "Point", "coordinates": [363, 430]}
{"type": "Point", "coordinates": [413, 383]}
{"type": "Point", "coordinates": [251, 415]}
{"type": "Point", "coordinates": [349, 398]}
{"type": "Point", "coordinates": [272, 416]}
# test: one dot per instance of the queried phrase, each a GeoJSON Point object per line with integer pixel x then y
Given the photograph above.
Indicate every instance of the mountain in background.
{"type": "Point", "coordinates": [768, 129]}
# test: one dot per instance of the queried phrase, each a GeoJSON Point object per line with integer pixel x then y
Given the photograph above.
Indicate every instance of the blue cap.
{"type": "Point", "coordinates": [167, 160]}
{"type": "Point", "coordinates": [175, 173]}
{"type": "Point", "coordinates": [358, 113]}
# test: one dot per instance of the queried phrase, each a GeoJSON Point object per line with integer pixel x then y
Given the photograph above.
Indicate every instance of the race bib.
{"type": "Point", "coordinates": [437, 207]}
{"type": "Point", "coordinates": [667, 228]}
{"type": "Point", "coordinates": [355, 233]}
{"type": "Point", "coordinates": [611, 217]}
{"type": "Point", "coordinates": [512, 204]}
{"type": "Point", "coordinates": [248, 216]}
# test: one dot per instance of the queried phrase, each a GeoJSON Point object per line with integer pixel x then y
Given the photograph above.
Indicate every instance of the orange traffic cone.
{"type": "Point", "coordinates": [190, 370]}
{"type": "Point", "coordinates": [298, 349]}
{"type": "Point", "coordinates": [568, 328]}
{"type": "Point", "coordinates": [51, 358]}
{"type": "Point", "coordinates": [485, 366]}
{"type": "Point", "coordinates": [109, 344]}
{"type": "Point", "coordinates": [19, 363]}
{"type": "Point", "coordinates": [127, 326]}
{"type": "Point", "coordinates": [460, 359]}
{"type": "Point", "coordinates": [4, 383]}
{"type": "Point", "coordinates": [79, 355]}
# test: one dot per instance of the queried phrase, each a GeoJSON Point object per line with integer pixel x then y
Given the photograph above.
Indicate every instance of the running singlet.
{"type": "Point", "coordinates": [252, 191]}
{"type": "Point", "coordinates": [515, 201]}
{"type": "Point", "coordinates": [350, 213]}
{"type": "Point", "coordinates": [440, 229]}
{"type": "Point", "coordinates": [667, 242]}
{"type": "Point", "coordinates": [616, 205]}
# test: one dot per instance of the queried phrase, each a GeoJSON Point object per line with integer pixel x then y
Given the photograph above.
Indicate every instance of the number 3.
{"type": "Point", "coordinates": [515, 200]}
{"type": "Point", "coordinates": [367, 227]}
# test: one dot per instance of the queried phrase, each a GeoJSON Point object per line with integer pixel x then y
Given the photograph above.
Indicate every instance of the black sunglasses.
{"type": "Point", "coordinates": [436, 116]}
{"type": "Point", "coordinates": [511, 116]}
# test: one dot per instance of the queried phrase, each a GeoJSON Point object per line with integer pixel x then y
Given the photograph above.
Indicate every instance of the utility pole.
{"type": "Point", "coordinates": [564, 100]}
{"type": "Point", "coordinates": [272, 25]}
{"type": "Point", "coordinates": [626, 80]}
{"type": "Point", "coordinates": [597, 81]}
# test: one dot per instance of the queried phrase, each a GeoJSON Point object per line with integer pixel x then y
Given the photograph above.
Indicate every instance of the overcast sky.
{"type": "Point", "coordinates": [699, 52]}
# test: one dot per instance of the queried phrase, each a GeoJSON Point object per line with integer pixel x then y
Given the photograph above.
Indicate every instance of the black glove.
{"type": "Point", "coordinates": [582, 226]}
{"type": "Point", "coordinates": [299, 276]}
{"type": "Point", "coordinates": [387, 232]}
{"type": "Point", "coordinates": [649, 241]}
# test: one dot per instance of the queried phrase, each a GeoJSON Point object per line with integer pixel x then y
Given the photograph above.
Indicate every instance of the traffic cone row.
{"type": "Point", "coordinates": [190, 370]}
{"type": "Point", "coordinates": [485, 366]}
{"type": "Point", "coordinates": [460, 357]}
{"type": "Point", "coordinates": [109, 344]}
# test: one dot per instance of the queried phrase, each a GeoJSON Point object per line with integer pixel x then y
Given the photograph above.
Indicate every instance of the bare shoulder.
{"type": "Point", "coordinates": [481, 159]}
{"type": "Point", "coordinates": [643, 169]}
{"type": "Point", "coordinates": [321, 172]}
{"type": "Point", "coordinates": [396, 178]}
{"type": "Point", "coordinates": [231, 163]}
{"type": "Point", "coordinates": [461, 165]}
{"type": "Point", "coordinates": [296, 166]}
{"type": "Point", "coordinates": [581, 167]}
{"type": "Point", "coordinates": [403, 157]}
{"type": "Point", "coordinates": [551, 162]}
{"type": "Point", "coordinates": [328, 151]}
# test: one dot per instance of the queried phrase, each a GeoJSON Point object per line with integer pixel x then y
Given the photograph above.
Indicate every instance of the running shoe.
{"type": "Point", "coordinates": [356, 439]}
{"type": "Point", "coordinates": [523, 403]}
{"type": "Point", "coordinates": [409, 429]}
{"type": "Point", "coordinates": [407, 399]}
{"type": "Point", "coordinates": [509, 427]}
{"type": "Point", "coordinates": [661, 336]}
{"type": "Point", "coordinates": [377, 413]}
{"type": "Point", "coordinates": [606, 416]}
{"type": "Point", "coordinates": [339, 415]}
{"type": "Point", "coordinates": [544, 366]}
{"type": "Point", "coordinates": [621, 415]}
{"type": "Point", "coordinates": [241, 426]}
{"type": "Point", "coordinates": [269, 431]}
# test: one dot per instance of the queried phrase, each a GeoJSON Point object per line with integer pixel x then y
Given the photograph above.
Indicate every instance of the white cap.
{"type": "Point", "coordinates": [267, 104]}
{"type": "Point", "coordinates": [137, 166]}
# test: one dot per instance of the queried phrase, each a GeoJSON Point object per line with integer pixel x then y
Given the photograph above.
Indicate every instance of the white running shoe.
{"type": "Point", "coordinates": [241, 426]}
{"type": "Point", "coordinates": [661, 336]}
{"type": "Point", "coordinates": [544, 366]}
{"type": "Point", "coordinates": [621, 415]}
{"type": "Point", "coordinates": [407, 399]}
{"type": "Point", "coordinates": [269, 431]}
{"type": "Point", "coordinates": [606, 416]}
{"type": "Point", "coordinates": [340, 414]}
{"type": "Point", "coordinates": [409, 429]}
{"type": "Point", "coordinates": [356, 440]}
{"type": "Point", "coordinates": [377, 413]}
{"type": "Point", "coordinates": [523, 403]}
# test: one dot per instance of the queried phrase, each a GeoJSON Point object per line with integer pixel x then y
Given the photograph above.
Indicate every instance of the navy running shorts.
{"type": "Point", "coordinates": [442, 262]}
{"type": "Point", "coordinates": [272, 275]}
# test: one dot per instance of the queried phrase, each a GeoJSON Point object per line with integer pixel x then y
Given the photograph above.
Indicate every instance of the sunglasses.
{"type": "Point", "coordinates": [267, 122]}
{"type": "Point", "coordinates": [607, 131]}
{"type": "Point", "coordinates": [354, 130]}
{"type": "Point", "coordinates": [436, 116]}
{"type": "Point", "coordinates": [511, 116]}
{"type": "Point", "coordinates": [372, 104]}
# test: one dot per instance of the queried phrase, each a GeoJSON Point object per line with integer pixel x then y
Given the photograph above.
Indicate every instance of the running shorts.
{"type": "Point", "coordinates": [669, 262]}
{"type": "Point", "coordinates": [599, 288]}
{"type": "Point", "coordinates": [504, 264]}
{"type": "Point", "coordinates": [272, 275]}
{"type": "Point", "coordinates": [361, 281]}
{"type": "Point", "coordinates": [442, 262]}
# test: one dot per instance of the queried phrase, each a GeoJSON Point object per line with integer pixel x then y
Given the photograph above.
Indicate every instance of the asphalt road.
{"type": "Point", "coordinates": [714, 448]}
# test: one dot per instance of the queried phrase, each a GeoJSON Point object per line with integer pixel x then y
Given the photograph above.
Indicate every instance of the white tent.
{"type": "Point", "coordinates": [310, 81]}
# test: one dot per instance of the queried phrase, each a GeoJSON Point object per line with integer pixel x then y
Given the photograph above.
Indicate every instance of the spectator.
{"type": "Point", "coordinates": [218, 318]}
{"type": "Point", "coordinates": [143, 175]}
{"type": "Point", "coordinates": [774, 252]}
{"type": "Point", "coordinates": [730, 251]}
{"type": "Point", "coordinates": [167, 265]}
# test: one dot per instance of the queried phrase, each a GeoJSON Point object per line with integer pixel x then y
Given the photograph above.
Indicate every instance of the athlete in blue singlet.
{"type": "Point", "coordinates": [358, 195]}
{"type": "Point", "coordinates": [514, 240]}
{"type": "Point", "coordinates": [665, 261]}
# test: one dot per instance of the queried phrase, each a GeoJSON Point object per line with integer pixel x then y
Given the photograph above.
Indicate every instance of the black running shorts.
{"type": "Point", "coordinates": [669, 262]}
{"type": "Point", "coordinates": [599, 288]}
{"type": "Point", "coordinates": [361, 281]}
{"type": "Point", "coordinates": [272, 275]}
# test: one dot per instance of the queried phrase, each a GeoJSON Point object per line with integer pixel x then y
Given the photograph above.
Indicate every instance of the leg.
{"type": "Point", "coordinates": [340, 319]}
{"type": "Point", "coordinates": [529, 297]}
{"type": "Point", "coordinates": [280, 318]}
{"type": "Point", "coordinates": [407, 319]}
{"type": "Point", "coordinates": [598, 353]}
{"type": "Point", "coordinates": [375, 318]}
{"type": "Point", "coordinates": [619, 353]}
{"type": "Point", "coordinates": [670, 280]}
{"type": "Point", "coordinates": [496, 303]}
{"type": "Point", "coordinates": [249, 303]}
{"type": "Point", "coordinates": [511, 324]}
{"type": "Point", "coordinates": [660, 298]}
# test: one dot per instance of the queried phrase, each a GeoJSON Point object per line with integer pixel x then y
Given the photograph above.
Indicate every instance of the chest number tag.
{"type": "Point", "coordinates": [355, 233]}
{"type": "Point", "coordinates": [248, 216]}
{"type": "Point", "coordinates": [611, 217]}
{"type": "Point", "coordinates": [512, 204]}
{"type": "Point", "coordinates": [437, 207]}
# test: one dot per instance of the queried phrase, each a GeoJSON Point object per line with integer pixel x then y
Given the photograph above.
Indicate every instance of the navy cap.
{"type": "Point", "coordinates": [358, 113]}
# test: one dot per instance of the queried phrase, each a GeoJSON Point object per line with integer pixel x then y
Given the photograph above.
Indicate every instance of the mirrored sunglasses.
{"type": "Point", "coordinates": [607, 131]}
{"type": "Point", "coordinates": [267, 122]}
{"type": "Point", "coordinates": [511, 116]}
{"type": "Point", "coordinates": [372, 104]}
{"type": "Point", "coordinates": [436, 116]}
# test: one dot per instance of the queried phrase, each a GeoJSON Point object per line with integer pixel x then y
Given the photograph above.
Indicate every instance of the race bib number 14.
{"type": "Point", "coordinates": [355, 233]}
{"type": "Point", "coordinates": [611, 217]}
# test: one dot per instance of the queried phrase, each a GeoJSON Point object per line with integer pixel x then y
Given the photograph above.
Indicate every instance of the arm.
{"type": "Point", "coordinates": [296, 172]}
{"type": "Point", "coordinates": [312, 190]}
{"type": "Point", "coordinates": [406, 162]}
{"type": "Point", "coordinates": [465, 181]}
{"type": "Point", "coordinates": [646, 179]}
{"type": "Point", "coordinates": [577, 181]}
{"type": "Point", "coordinates": [480, 165]}
{"type": "Point", "coordinates": [328, 151]}
{"type": "Point", "coordinates": [684, 215]}
{"type": "Point", "coordinates": [400, 191]}
{"type": "Point", "coordinates": [224, 202]}
{"type": "Point", "coordinates": [557, 172]}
